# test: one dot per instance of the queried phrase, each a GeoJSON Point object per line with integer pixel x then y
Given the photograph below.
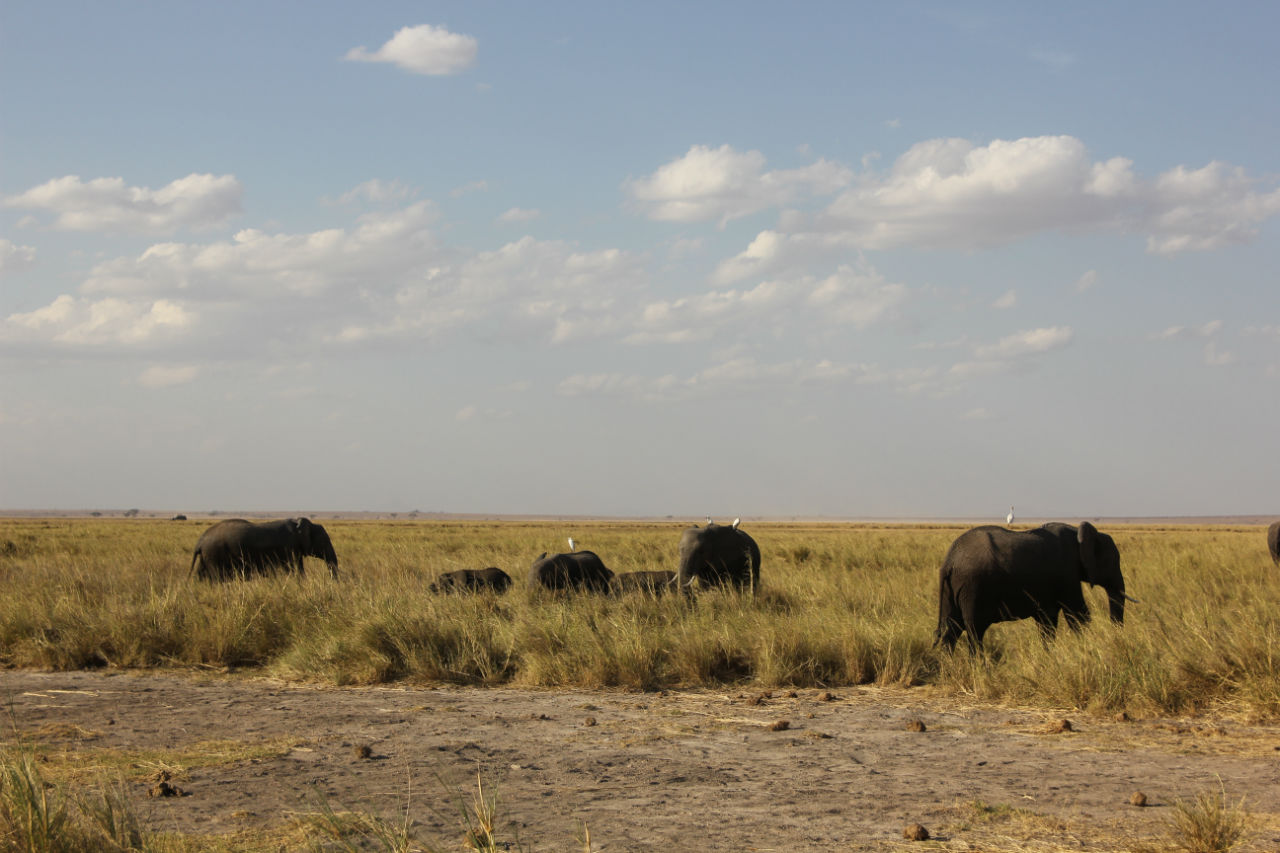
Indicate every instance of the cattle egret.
{"type": "Point", "coordinates": [708, 521]}
{"type": "Point", "coordinates": [1008, 519]}
{"type": "Point", "coordinates": [571, 544]}
{"type": "Point", "coordinates": [736, 522]}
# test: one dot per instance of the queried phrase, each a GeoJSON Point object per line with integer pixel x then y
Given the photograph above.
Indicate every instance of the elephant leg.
{"type": "Point", "coordinates": [948, 633]}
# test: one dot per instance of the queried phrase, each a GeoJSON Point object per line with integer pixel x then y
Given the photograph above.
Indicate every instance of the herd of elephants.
{"type": "Point", "coordinates": [990, 574]}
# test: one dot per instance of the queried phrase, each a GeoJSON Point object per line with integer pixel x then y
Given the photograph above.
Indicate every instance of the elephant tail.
{"type": "Point", "coordinates": [197, 555]}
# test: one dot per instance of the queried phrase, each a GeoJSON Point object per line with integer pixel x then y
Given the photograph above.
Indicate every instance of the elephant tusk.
{"type": "Point", "coordinates": [1128, 597]}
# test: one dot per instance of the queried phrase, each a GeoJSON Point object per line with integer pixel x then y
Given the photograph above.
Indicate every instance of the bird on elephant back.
{"type": "Point", "coordinates": [718, 555]}
{"type": "Point", "coordinates": [575, 570]}
{"type": "Point", "coordinates": [991, 574]}
{"type": "Point", "coordinates": [237, 548]}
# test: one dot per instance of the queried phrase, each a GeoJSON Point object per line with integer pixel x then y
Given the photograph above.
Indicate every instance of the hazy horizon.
{"type": "Point", "coordinates": [916, 260]}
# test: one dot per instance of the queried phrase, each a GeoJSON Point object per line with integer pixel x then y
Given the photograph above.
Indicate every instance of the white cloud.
{"type": "Point", "coordinates": [15, 257]}
{"type": "Point", "coordinates": [162, 376]}
{"type": "Point", "coordinates": [721, 184]}
{"type": "Point", "coordinates": [1006, 300]}
{"type": "Point", "coordinates": [855, 296]}
{"type": "Point", "coordinates": [108, 204]}
{"type": "Point", "coordinates": [76, 321]}
{"type": "Point", "coordinates": [518, 214]}
{"type": "Point", "coordinates": [1208, 208]}
{"type": "Point", "coordinates": [1025, 343]}
{"type": "Point", "coordinates": [1086, 281]}
{"type": "Point", "coordinates": [1175, 333]}
{"type": "Point", "coordinates": [381, 246]}
{"type": "Point", "coordinates": [377, 191]}
{"type": "Point", "coordinates": [423, 49]}
{"type": "Point", "coordinates": [467, 189]}
{"type": "Point", "coordinates": [1013, 349]}
{"type": "Point", "coordinates": [1214, 358]}
{"type": "Point", "coordinates": [952, 193]}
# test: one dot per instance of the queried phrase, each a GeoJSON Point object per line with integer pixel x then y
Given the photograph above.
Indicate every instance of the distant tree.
{"type": "Point", "coordinates": [96, 514]}
{"type": "Point", "coordinates": [132, 513]}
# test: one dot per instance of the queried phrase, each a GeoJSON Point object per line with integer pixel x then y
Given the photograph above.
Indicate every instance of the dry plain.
{"type": "Point", "coordinates": [656, 761]}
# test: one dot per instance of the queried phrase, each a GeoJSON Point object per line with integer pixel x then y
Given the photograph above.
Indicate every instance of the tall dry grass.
{"type": "Point", "coordinates": [839, 605]}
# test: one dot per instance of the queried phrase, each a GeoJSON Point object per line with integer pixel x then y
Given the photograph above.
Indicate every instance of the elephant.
{"type": "Point", "coordinates": [239, 548]}
{"type": "Point", "coordinates": [991, 574]}
{"type": "Point", "coordinates": [575, 570]}
{"type": "Point", "coordinates": [653, 583]}
{"type": "Point", "coordinates": [472, 580]}
{"type": "Point", "coordinates": [719, 555]}
{"type": "Point", "coordinates": [1273, 541]}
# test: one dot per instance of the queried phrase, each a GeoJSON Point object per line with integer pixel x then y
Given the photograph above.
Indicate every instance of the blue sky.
{"type": "Point", "coordinates": [855, 260]}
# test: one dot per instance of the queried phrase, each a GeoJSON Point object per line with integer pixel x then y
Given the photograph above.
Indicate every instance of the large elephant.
{"type": "Point", "coordinates": [991, 574]}
{"type": "Point", "coordinates": [472, 580]}
{"type": "Point", "coordinates": [718, 555]}
{"type": "Point", "coordinates": [577, 570]}
{"type": "Point", "coordinates": [653, 583]}
{"type": "Point", "coordinates": [1273, 541]}
{"type": "Point", "coordinates": [239, 548]}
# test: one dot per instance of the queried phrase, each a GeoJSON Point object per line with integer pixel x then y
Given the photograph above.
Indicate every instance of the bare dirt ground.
{"type": "Point", "coordinates": [679, 770]}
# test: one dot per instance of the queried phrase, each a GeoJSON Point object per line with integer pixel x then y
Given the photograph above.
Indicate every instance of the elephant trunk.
{"type": "Point", "coordinates": [331, 559]}
{"type": "Point", "coordinates": [1115, 602]}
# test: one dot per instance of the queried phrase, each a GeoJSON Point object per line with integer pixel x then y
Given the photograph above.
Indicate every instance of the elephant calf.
{"type": "Point", "coordinates": [239, 548]}
{"type": "Point", "coordinates": [653, 583]}
{"type": "Point", "coordinates": [472, 580]}
{"type": "Point", "coordinates": [991, 574]}
{"type": "Point", "coordinates": [581, 570]}
{"type": "Point", "coordinates": [1273, 541]}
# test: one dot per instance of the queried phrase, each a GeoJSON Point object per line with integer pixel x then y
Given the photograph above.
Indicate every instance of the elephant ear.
{"type": "Point", "coordinates": [303, 526]}
{"type": "Point", "coordinates": [1088, 538]}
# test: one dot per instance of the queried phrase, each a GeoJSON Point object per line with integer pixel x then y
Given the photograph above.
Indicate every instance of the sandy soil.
{"type": "Point", "coordinates": [695, 770]}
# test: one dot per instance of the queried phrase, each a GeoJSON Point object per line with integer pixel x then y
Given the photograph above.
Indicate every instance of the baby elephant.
{"type": "Point", "coordinates": [653, 583]}
{"type": "Point", "coordinates": [472, 580]}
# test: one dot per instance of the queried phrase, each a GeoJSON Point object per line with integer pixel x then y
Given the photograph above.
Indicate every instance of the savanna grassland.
{"type": "Point", "coordinates": [837, 645]}
{"type": "Point", "coordinates": [840, 604]}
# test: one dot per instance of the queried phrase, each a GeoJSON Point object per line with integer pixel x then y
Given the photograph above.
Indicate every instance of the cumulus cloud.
{"type": "Point", "coordinates": [951, 193]}
{"type": "Point", "coordinates": [108, 204]}
{"type": "Point", "coordinates": [1006, 300]}
{"type": "Point", "coordinates": [88, 322]}
{"type": "Point", "coordinates": [379, 246]}
{"type": "Point", "coordinates": [162, 376]}
{"type": "Point", "coordinates": [15, 257]}
{"type": "Point", "coordinates": [1177, 333]}
{"type": "Point", "coordinates": [1086, 281]}
{"type": "Point", "coordinates": [423, 49]}
{"type": "Point", "coordinates": [1012, 350]}
{"type": "Point", "coordinates": [722, 184]}
{"type": "Point", "coordinates": [855, 296]}
{"type": "Point", "coordinates": [518, 214]}
{"type": "Point", "coordinates": [377, 191]}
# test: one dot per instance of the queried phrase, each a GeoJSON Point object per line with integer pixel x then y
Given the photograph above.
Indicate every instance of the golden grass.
{"type": "Point", "coordinates": [840, 604]}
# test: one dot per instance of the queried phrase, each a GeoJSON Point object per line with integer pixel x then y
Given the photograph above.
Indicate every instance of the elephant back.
{"type": "Point", "coordinates": [719, 554]}
{"type": "Point", "coordinates": [579, 570]}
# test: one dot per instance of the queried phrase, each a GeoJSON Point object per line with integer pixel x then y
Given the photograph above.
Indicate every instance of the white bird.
{"type": "Point", "coordinates": [1008, 519]}
{"type": "Point", "coordinates": [736, 522]}
{"type": "Point", "coordinates": [708, 521]}
{"type": "Point", "coordinates": [571, 545]}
